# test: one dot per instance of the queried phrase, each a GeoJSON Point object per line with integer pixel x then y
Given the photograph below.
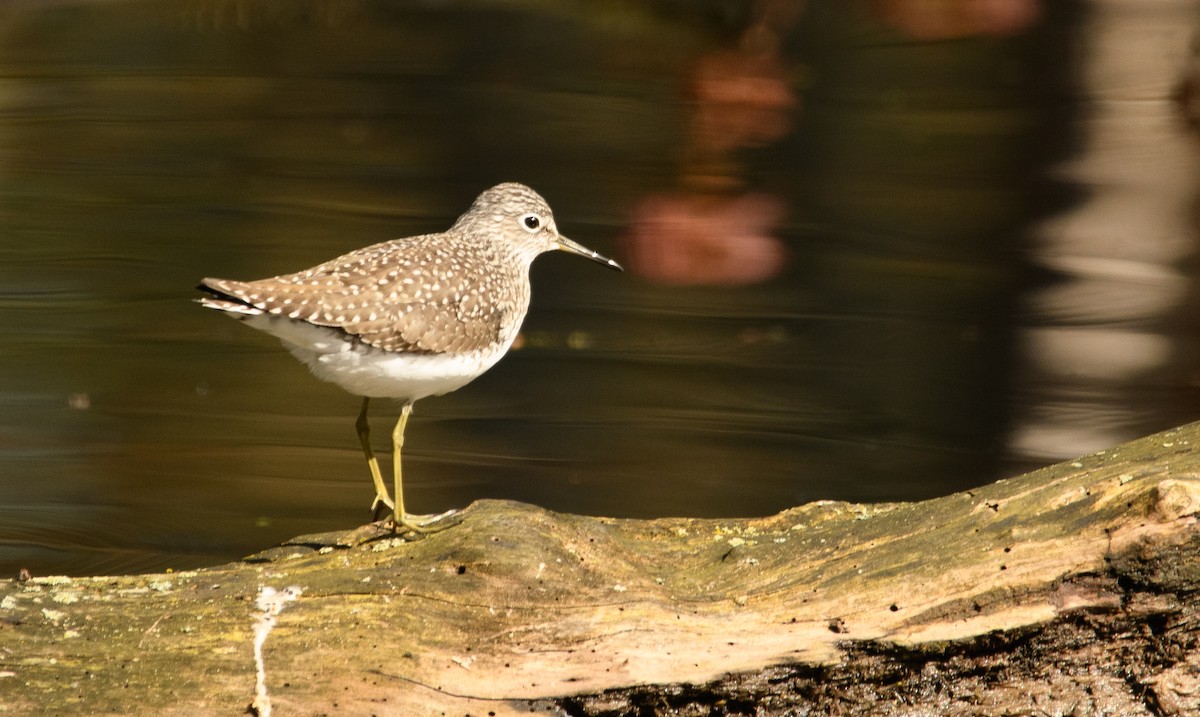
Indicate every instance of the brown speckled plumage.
{"type": "Point", "coordinates": [452, 292]}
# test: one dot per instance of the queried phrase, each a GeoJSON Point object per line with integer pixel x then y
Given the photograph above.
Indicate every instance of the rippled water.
{"type": "Point", "coordinates": [869, 266]}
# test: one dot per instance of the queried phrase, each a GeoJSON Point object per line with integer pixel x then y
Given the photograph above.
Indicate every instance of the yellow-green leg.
{"type": "Point", "coordinates": [399, 516]}
{"type": "Point", "coordinates": [364, 436]}
{"type": "Point", "coordinates": [401, 519]}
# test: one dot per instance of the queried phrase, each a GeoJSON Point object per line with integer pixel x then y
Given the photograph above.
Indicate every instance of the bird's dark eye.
{"type": "Point", "coordinates": [531, 222]}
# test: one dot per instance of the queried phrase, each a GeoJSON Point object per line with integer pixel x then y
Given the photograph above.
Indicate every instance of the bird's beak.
{"type": "Point", "coordinates": [567, 245]}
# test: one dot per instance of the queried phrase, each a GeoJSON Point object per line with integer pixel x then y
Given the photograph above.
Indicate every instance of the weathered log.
{"type": "Point", "coordinates": [1072, 589]}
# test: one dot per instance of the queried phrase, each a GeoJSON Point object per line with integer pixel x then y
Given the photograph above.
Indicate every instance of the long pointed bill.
{"type": "Point", "coordinates": [567, 245]}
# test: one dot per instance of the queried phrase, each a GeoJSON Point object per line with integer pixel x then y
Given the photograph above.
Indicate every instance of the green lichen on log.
{"type": "Point", "coordinates": [516, 606]}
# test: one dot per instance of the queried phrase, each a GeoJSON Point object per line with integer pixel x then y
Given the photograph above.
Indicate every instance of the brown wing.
{"type": "Point", "coordinates": [405, 295]}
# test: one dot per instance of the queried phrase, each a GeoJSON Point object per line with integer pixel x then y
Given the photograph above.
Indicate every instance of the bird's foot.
{"type": "Point", "coordinates": [407, 528]}
{"type": "Point", "coordinates": [422, 524]}
{"type": "Point", "coordinates": [382, 503]}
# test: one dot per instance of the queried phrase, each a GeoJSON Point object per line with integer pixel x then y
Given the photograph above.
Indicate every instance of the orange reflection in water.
{"type": "Point", "coordinates": [944, 19]}
{"type": "Point", "coordinates": [711, 231]}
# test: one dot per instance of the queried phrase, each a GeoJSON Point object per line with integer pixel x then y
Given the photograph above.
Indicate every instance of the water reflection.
{"type": "Point", "coordinates": [1110, 346]}
{"type": "Point", "coordinates": [943, 271]}
{"type": "Point", "coordinates": [712, 231]}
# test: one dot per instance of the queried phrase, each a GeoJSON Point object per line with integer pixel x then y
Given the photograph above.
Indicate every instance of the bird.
{"type": "Point", "coordinates": [408, 318]}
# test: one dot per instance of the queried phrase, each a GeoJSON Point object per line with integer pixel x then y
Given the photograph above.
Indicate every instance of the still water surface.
{"type": "Point", "coordinates": [868, 260]}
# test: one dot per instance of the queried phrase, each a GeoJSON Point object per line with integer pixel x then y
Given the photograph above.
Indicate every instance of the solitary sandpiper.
{"type": "Point", "coordinates": [408, 318]}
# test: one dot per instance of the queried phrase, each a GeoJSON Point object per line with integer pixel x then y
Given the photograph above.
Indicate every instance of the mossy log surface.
{"type": "Point", "coordinates": [1068, 590]}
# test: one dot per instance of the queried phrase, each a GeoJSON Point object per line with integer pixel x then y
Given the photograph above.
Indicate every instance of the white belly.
{"type": "Point", "coordinates": [367, 371]}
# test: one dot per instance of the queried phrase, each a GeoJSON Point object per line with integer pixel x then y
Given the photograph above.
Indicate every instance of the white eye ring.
{"type": "Point", "coordinates": [531, 223]}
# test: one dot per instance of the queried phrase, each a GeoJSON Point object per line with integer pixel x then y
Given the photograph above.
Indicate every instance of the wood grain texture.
{"type": "Point", "coordinates": [518, 609]}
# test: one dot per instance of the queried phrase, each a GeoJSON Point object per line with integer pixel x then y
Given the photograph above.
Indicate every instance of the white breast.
{"type": "Point", "coordinates": [367, 371]}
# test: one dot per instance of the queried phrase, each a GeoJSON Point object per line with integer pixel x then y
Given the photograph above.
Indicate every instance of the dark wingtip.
{"type": "Point", "coordinates": [216, 293]}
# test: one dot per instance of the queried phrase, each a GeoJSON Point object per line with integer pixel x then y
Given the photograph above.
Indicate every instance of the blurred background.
{"type": "Point", "coordinates": [877, 250]}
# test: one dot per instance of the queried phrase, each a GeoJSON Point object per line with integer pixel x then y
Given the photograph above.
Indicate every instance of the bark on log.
{"type": "Point", "coordinates": [1070, 590]}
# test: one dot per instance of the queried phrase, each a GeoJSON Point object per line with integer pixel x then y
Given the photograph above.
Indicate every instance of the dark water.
{"type": "Point", "coordinates": [868, 260]}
